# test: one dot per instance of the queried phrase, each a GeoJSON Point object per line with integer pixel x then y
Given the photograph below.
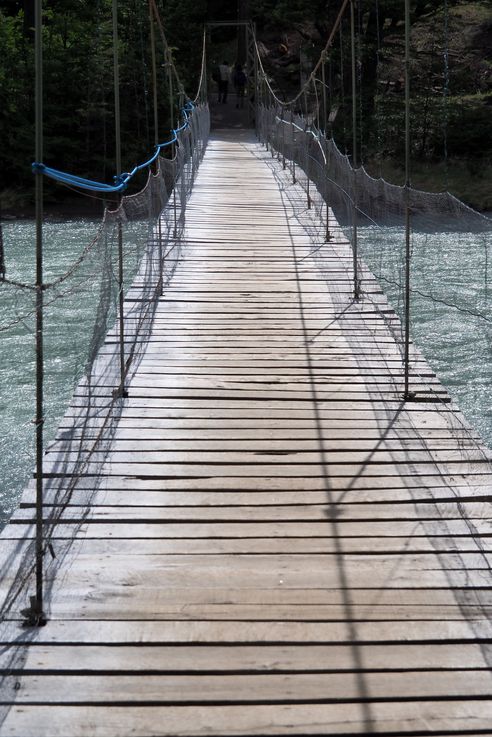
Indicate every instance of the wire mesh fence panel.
{"type": "Point", "coordinates": [449, 265]}
{"type": "Point", "coordinates": [82, 346]}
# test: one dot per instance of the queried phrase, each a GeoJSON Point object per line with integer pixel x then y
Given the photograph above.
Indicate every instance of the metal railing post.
{"type": "Point", "coordinates": [354, 156]}
{"type": "Point", "coordinates": [174, 146]}
{"type": "Point", "coordinates": [308, 179]}
{"type": "Point", "coordinates": [35, 616]}
{"type": "Point", "coordinates": [407, 394]}
{"type": "Point", "coordinates": [283, 138]}
{"type": "Point", "coordinates": [323, 82]}
{"type": "Point", "coordinates": [293, 147]}
{"type": "Point", "coordinates": [327, 229]}
{"type": "Point", "coordinates": [117, 118]}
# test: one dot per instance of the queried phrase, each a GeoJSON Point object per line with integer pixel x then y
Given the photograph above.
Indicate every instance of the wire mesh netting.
{"type": "Point", "coordinates": [82, 347]}
{"type": "Point", "coordinates": [450, 288]}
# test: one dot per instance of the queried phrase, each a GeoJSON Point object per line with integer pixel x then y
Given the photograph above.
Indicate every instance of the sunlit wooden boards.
{"type": "Point", "coordinates": [279, 545]}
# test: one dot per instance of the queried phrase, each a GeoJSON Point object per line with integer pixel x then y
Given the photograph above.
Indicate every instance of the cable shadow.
{"type": "Point", "coordinates": [344, 585]}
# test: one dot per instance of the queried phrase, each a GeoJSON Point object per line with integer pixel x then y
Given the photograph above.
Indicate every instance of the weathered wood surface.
{"type": "Point", "coordinates": [280, 544]}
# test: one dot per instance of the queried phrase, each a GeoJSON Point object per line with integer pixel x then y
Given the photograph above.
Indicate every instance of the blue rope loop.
{"type": "Point", "coordinates": [122, 180]}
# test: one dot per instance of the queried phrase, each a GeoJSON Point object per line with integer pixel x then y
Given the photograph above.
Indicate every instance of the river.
{"type": "Point", "coordinates": [74, 324]}
{"type": "Point", "coordinates": [451, 300]}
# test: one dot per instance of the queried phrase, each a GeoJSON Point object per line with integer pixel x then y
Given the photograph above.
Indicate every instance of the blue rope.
{"type": "Point", "coordinates": [121, 180]}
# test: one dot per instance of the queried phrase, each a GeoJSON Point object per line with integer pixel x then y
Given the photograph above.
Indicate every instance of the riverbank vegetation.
{"type": "Point", "coordinates": [451, 84]}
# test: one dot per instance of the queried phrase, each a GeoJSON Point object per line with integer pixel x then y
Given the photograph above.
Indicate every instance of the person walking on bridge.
{"type": "Point", "coordinates": [224, 75]}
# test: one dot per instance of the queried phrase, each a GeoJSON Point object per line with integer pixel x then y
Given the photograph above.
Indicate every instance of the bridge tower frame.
{"type": "Point", "coordinates": [251, 61]}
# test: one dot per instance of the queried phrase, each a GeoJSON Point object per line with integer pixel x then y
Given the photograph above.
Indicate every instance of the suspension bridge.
{"type": "Point", "coordinates": [262, 513]}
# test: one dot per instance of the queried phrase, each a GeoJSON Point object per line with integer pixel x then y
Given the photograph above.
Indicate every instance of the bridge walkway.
{"type": "Point", "coordinates": [280, 545]}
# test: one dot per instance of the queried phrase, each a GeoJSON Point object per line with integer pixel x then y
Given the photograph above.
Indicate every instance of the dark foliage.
{"type": "Point", "coordinates": [78, 75]}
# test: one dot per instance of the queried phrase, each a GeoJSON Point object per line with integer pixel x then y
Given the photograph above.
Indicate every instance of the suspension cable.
{"type": "Point", "coordinates": [2, 253]}
{"type": "Point", "coordinates": [314, 72]}
{"type": "Point", "coordinates": [154, 76]}
{"type": "Point", "coordinates": [36, 616]}
{"type": "Point", "coordinates": [203, 76]}
{"type": "Point", "coordinates": [446, 92]}
{"type": "Point", "coordinates": [167, 49]}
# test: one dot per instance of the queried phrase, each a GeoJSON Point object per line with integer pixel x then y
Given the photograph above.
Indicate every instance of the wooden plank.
{"type": "Point", "coordinates": [414, 605]}
{"type": "Point", "coordinates": [263, 572]}
{"type": "Point", "coordinates": [436, 546]}
{"type": "Point", "coordinates": [301, 430]}
{"type": "Point", "coordinates": [205, 658]}
{"type": "Point", "coordinates": [262, 469]}
{"type": "Point", "coordinates": [285, 505]}
{"type": "Point", "coordinates": [278, 512]}
{"type": "Point", "coordinates": [354, 458]}
{"type": "Point", "coordinates": [452, 486]}
{"type": "Point", "coordinates": [446, 718]}
{"type": "Point", "coordinates": [299, 446]}
{"type": "Point", "coordinates": [180, 606]}
{"type": "Point", "coordinates": [169, 530]}
{"type": "Point", "coordinates": [157, 633]}
{"type": "Point", "coordinates": [263, 689]}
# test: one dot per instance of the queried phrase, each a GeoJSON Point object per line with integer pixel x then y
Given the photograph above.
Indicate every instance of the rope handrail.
{"type": "Point", "coordinates": [318, 135]}
{"type": "Point", "coordinates": [121, 180]}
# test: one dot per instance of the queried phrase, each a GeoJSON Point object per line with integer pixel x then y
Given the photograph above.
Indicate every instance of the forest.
{"type": "Point", "coordinates": [451, 72]}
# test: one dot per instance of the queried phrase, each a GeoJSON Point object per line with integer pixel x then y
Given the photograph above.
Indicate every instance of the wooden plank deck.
{"type": "Point", "coordinates": [280, 546]}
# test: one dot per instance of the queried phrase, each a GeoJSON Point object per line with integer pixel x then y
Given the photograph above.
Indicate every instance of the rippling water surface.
{"type": "Point", "coordinates": [68, 321]}
{"type": "Point", "coordinates": [451, 300]}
